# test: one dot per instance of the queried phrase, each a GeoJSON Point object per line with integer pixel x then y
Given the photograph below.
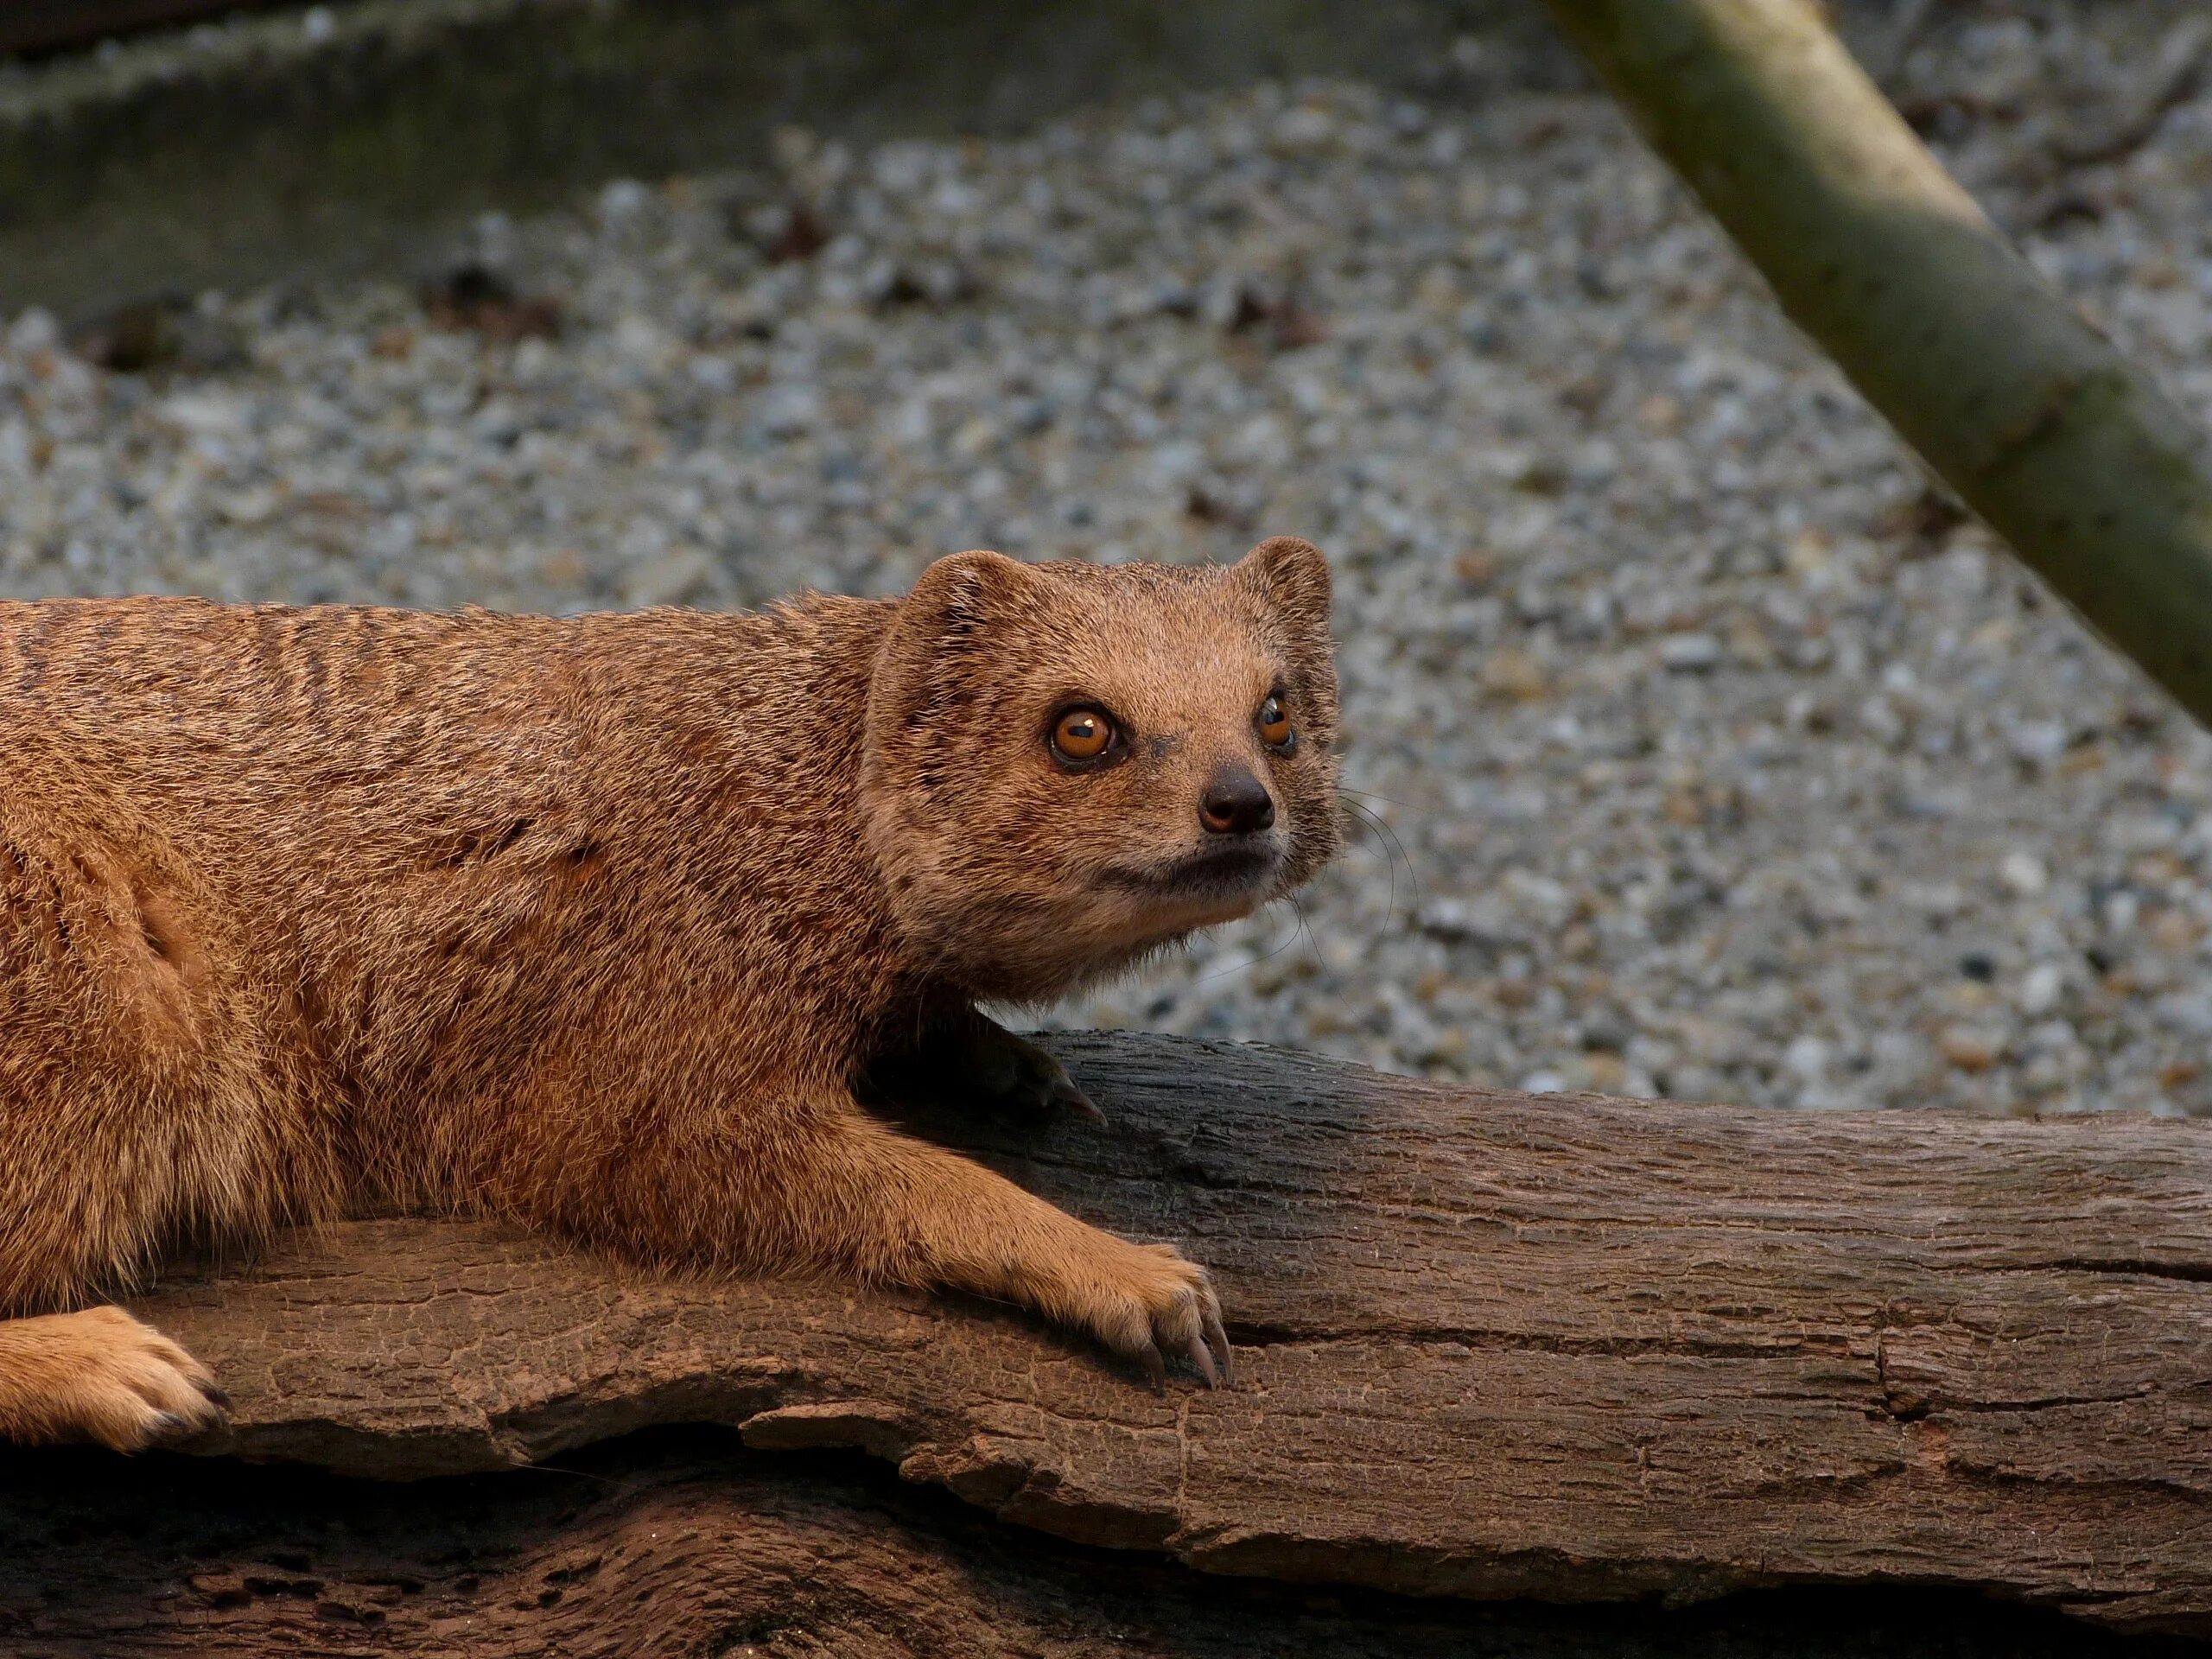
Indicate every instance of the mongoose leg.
{"type": "Point", "coordinates": [932, 1217]}
{"type": "Point", "coordinates": [132, 1109]}
{"type": "Point", "coordinates": [971, 1059]}
{"type": "Point", "coordinates": [835, 1190]}
{"type": "Point", "coordinates": [100, 1376]}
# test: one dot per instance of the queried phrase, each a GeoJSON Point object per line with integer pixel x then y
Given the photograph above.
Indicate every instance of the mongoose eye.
{"type": "Point", "coordinates": [1082, 735]}
{"type": "Point", "coordinates": [1274, 721]}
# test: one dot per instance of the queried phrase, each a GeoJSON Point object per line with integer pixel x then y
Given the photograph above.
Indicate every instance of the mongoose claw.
{"type": "Point", "coordinates": [1012, 1075]}
{"type": "Point", "coordinates": [1218, 1340]}
{"type": "Point", "coordinates": [1165, 1304]}
{"type": "Point", "coordinates": [1203, 1360]}
{"type": "Point", "coordinates": [1068, 1097]}
{"type": "Point", "coordinates": [1155, 1368]}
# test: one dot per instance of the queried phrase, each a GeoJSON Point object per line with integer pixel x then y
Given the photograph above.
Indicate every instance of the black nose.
{"type": "Point", "coordinates": [1236, 803]}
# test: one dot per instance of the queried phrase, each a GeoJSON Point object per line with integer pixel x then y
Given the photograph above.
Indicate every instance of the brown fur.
{"type": "Point", "coordinates": [594, 923]}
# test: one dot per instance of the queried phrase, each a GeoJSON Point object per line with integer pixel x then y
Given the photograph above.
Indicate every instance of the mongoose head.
{"type": "Point", "coordinates": [1070, 766]}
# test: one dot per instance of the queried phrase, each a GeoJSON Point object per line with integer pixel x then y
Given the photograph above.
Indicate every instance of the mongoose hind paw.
{"type": "Point", "coordinates": [1068, 1097]}
{"type": "Point", "coordinates": [1011, 1075]}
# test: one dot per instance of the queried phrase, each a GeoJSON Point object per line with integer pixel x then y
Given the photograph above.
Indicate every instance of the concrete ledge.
{"type": "Point", "coordinates": [303, 140]}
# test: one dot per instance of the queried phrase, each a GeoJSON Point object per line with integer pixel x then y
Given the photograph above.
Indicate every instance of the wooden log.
{"type": "Point", "coordinates": [681, 1543]}
{"type": "Point", "coordinates": [1490, 1345]}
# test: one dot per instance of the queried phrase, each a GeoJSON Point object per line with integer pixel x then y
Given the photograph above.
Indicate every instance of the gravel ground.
{"type": "Point", "coordinates": [1708, 754]}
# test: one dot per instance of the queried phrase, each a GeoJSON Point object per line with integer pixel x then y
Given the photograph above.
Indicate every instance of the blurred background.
{"type": "Point", "coordinates": [1703, 748]}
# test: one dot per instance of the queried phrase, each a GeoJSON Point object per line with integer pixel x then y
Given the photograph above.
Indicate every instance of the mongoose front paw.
{"type": "Point", "coordinates": [103, 1375]}
{"type": "Point", "coordinates": [1011, 1074]}
{"type": "Point", "coordinates": [1152, 1301]}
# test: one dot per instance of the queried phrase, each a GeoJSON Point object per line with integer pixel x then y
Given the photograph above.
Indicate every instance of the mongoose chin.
{"type": "Point", "coordinates": [597, 923]}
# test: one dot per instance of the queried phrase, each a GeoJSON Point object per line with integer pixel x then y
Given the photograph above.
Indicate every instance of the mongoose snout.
{"type": "Point", "coordinates": [1236, 803]}
{"type": "Point", "coordinates": [598, 924]}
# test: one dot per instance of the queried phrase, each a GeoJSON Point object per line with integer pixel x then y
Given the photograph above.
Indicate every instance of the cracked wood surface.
{"type": "Point", "coordinates": [1490, 1345]}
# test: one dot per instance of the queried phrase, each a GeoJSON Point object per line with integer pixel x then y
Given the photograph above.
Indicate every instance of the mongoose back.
{"type": "Point", "coordinates": [597, 923]}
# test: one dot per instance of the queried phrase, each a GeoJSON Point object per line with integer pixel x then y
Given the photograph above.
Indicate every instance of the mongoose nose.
{"type": "Point", "coordinates": [1236, 803]}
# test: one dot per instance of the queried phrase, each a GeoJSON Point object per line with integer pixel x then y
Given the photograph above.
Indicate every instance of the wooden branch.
{"type": "Point", "coordinates": [1491, 1345]}
{"type": "Point", "coordinates": [2071, 452]}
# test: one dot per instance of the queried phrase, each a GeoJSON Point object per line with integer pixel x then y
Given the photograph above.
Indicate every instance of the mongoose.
{"type": "Point", "coordinates": [596, 923]}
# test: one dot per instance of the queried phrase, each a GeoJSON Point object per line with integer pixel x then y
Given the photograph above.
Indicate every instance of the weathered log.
{"type": "Point", "coordinates": [1490, 1345]}
{"type": "Point", "coordinates": [678, 1542]}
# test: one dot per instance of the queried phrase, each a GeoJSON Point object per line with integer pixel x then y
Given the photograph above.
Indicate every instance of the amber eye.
{"type": "Point", "coordinates": [1081, 734]}
{"type": "Point", "coordinates": [1274, 721]}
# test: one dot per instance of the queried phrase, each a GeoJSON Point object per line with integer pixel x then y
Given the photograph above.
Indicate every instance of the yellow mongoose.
{"type": "Point", "coordinates": [595, 922]}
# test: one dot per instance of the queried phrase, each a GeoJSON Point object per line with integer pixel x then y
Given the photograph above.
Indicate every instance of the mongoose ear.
{"type": "Point", "coordinates": [925, 664]}
{"type": "Point", "coordinates": [1292, 575]}
{"type": "Point", "coordinates": [958, 595]}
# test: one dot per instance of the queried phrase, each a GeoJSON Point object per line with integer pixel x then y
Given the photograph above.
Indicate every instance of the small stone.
{"type": "Point", "coordinates": [1807, 1057]}
{"type": "Point", "coordinates": [1447, 918]}
{"type": "Point", "coordinates": [562, 568]}
{"type": "Point", "coordinates": [1660, 413]}
{"type": "Point", "coordinates": [623, 200]}
{"type": "Point", "coordinates": [790, 409]}
{"type": "Point", "coordinates": [2039, 741]}
{"type": "Point", "coordinates": [672, 578]}
{"type": "Point", "coordinates": [1516, 674]}
{"type": "Point", "coordinates": [1689, 653]}
{"type": "Point", "coordinates": [1969, 1050]}
{"type": "Point", "coordinates": [1603, 1072]}
{"type": "Point", "coordinates": [1476, 567]}
{"type": "Point", "coordinates": [1602, 1034]}
{"type": "Point", "coordinates": [2041, 990]}
{"type": "Point", "coordinates": [35, 330]}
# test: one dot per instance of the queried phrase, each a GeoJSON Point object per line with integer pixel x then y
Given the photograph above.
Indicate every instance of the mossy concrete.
{"type": "Point", "coordinates": [296, 140]}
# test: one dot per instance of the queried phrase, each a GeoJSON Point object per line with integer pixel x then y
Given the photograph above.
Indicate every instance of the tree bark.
{"type": "Point", "coordinates": [2069, 451]}
{"type": "Point", "coordinates": [1490, 1345]}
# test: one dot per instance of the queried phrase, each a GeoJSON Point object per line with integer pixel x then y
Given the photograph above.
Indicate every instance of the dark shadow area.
{"type": "Point", "coordinates": [682, 1541]}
